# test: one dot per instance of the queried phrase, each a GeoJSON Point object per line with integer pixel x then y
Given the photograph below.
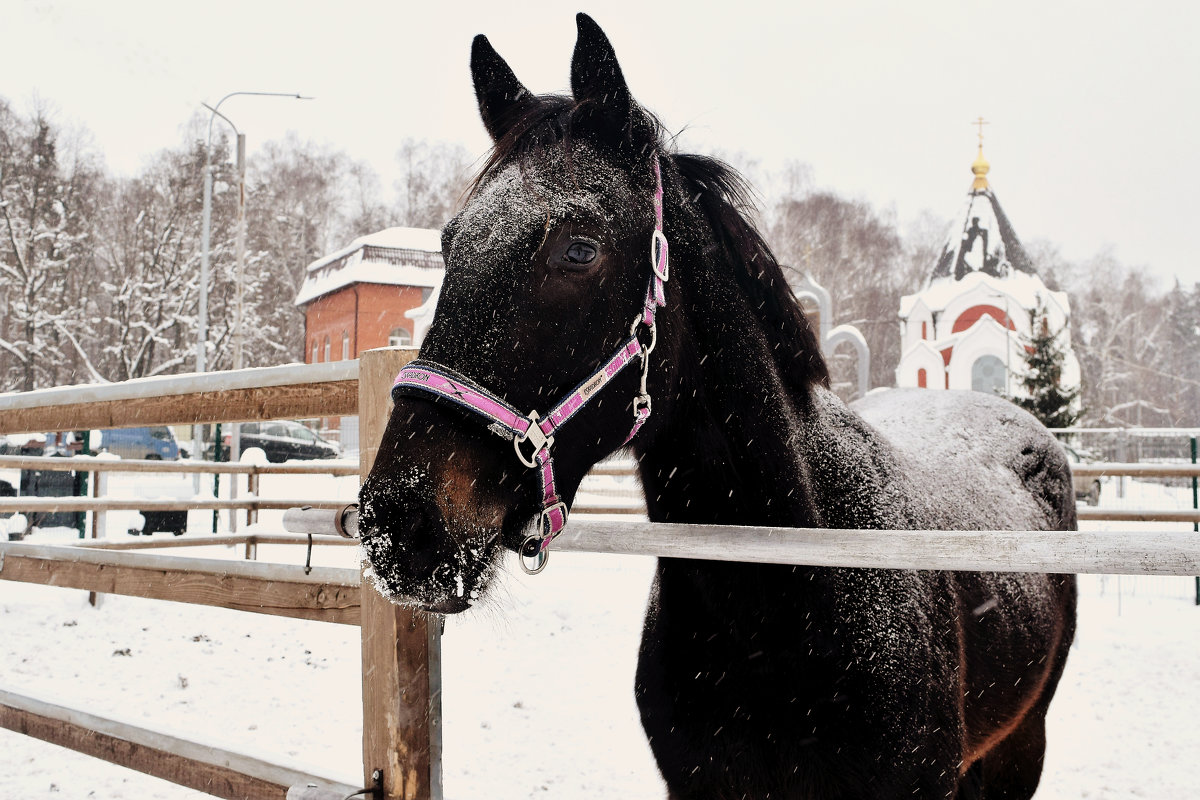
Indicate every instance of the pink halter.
{"type": "Point", "coordinates": [533, 435]}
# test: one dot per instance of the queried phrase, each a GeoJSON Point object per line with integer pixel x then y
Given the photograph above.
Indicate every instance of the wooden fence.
{"type": "Point", "coordinates": [401, 650]}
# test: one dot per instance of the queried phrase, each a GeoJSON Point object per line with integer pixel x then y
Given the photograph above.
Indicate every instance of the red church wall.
{"type": "Point", "coordinates": [379, 310]}
{"type": "Point", "coordinates": [974, 313]}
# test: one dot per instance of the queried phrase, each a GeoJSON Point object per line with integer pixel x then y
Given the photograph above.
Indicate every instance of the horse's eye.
{"type": "Point", "coordinates": [580, 253]}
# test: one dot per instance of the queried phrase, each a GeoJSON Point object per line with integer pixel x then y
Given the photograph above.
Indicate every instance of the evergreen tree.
{"type": "Point", "coordinates": [1048, 400]}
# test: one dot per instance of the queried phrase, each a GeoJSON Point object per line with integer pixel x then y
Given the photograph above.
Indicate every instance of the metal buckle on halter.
{"type": "Point", "coordinates": [544, 523]}
{"type": "Point", "coordinates": [639, 401]}
{"type": "Point", "coordinates": [660, 264]}
{"type": "Point", "coordinates": [536, 437]}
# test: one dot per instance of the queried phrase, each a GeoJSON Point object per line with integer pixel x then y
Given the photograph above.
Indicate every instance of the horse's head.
{"type": "Point", "coordinates": [543, 307]}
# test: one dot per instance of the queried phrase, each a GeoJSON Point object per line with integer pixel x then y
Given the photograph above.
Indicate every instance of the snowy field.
{"type": "Point", "coordinates": [537, 685]}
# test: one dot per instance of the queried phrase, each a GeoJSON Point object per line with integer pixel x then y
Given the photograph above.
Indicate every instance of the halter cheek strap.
{"type": "Point", "coordinates": [533, 435]}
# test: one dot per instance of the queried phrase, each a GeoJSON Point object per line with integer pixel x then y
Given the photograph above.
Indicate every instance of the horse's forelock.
{"type": "Point", "coordinates": [554, 120]}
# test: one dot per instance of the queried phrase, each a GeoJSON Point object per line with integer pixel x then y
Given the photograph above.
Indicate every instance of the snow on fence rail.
{"type": "Point", "coordinates": [401, 648]}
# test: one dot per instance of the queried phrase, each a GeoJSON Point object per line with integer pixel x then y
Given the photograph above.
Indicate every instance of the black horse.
{"type": "Point", "coordinates": [754, 681]}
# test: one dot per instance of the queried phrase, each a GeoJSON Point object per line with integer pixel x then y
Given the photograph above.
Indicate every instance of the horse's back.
{"type": "Point", "coordinates": [976, 461]}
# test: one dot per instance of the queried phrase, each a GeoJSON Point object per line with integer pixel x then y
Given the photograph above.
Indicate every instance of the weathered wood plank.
{"type": "Point", "coordinates": [83, 464]}
{"type": "Point", "coordinates": [334, 398]}
{"type": "Point", "coordinates": [47, 504]}
{"type": "Point", "coordinates": [325, 594]}
{"type": "Point", "coordinates": [1139, 515]}
{"type": "Point", "coordinates": [148, 543]}
{"type": "Point", "coordinates": [1119, 552]}
{"type": "Point", "coordinates": [1135, 470]}
{"type": "Point", "coordinates": [206, 768]}
{"type": "Point", "coordinates": [401, 649]}
{"type": "Point", "coordinates": [287, 392]}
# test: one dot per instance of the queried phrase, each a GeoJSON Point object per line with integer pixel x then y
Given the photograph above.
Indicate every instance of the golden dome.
{"type": "Point", "coordinates": [980, 169]}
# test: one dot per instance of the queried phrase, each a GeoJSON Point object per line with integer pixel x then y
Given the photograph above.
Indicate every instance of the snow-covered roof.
{"type": "Point", "coordinates": [1025, 289]}
{"type": "Point", "coordinates": [393, 257]}
{"type": "Point", "coordinates": [982, 240]}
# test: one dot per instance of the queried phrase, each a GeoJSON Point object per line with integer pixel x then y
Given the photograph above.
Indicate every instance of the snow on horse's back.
{"type": "Point", "coordinates": [978, 461]}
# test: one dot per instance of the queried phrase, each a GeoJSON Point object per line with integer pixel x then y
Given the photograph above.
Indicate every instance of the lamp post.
{"type": "Point", "coordinates": [205, 237]}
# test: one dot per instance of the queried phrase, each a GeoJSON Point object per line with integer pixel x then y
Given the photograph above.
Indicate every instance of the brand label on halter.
{"type": "Point", "coordinates": [589, 388]}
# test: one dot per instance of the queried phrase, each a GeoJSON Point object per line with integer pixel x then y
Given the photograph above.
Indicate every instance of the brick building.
{"type": "Point", "coordinates": [378, 291]}
{"type": "Point", "coordinates": [358, 297]}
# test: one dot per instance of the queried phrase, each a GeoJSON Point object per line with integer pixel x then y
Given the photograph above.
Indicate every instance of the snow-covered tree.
{"type": "Point", "coordinates": [432, 177]}
{"type": "Point", "coordinates": [150, 257]}
{"type": "Point", "coordinates": [857, 254]}
{"type": "Point", "coordinates": [46, 200]}
{"type": "Point", "coordinates": [1056, 405]}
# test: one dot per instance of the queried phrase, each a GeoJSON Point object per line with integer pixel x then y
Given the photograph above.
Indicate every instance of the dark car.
{"type": "Point", "coordinates": [282, 441]}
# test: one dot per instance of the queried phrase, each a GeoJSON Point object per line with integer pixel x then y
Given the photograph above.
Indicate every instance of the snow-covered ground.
{"type": "Point", "coordinates": [537, 685]}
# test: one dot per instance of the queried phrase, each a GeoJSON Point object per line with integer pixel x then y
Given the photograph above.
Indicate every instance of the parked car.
{"type": "Point", "coordinates": [281, 441]}
{"type": "Point", "coordinates": [155, 443]}
{"type": "Point", "coordinates": [1086, 489]}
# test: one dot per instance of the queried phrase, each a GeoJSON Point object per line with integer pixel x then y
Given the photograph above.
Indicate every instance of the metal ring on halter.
{"type": "Point", "coordinates": [661, 270]}
{"type": "Point", "coordinates": [653, 326]}
{"type": "Point", "coordinates": [540, 560]}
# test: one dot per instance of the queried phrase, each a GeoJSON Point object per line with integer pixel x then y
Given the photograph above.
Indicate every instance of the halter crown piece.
{"type": "Point", "coordinates": [532, 435]}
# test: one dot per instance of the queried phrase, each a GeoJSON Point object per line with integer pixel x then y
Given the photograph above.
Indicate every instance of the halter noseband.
{"type": "Point", "coordinates": [533, 435]}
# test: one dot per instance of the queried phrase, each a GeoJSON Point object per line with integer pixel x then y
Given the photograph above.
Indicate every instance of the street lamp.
{"type": "Point", "coordinates": [202, 328]}
{"type": "Point", "coordinates": [206, 227]}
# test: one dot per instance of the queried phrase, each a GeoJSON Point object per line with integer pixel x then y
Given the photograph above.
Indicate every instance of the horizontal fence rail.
{"type": "Point", "coordinates": [288, 392]}
{"type": "Point", "coordinates": [48, 505]}
{"type": "Point", "coordinates": [1108, 552]}
{"type": "Point", "coordinates": [1103, 552]}
{"type": "Point", "coordinates": [204, 767]}
{"type": "Point", "coordinates": [325, 594]}
{"type": "Point", "coordinates": [92, 464]}
{"type": "Point", "coordinates": [1135, 470]}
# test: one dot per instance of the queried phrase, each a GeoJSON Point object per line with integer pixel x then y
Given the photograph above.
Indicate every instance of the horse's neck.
{"type": "Point", "coordinates": [746, 450]}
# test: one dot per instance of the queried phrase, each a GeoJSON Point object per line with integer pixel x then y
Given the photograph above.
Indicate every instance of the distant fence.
{"type": "Point", "coordinates": [401, 649]}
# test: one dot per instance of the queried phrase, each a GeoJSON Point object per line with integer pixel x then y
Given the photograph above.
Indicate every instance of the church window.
{"type": "Point", "coordinates": [988, 375]}
{"type": "Point", "coordinates": [924, 330]}
{"type": "Point", "coordinates": [922, 378]}
{"type": "Point", "coordinates": [399, 337]}
{"type": "Point", "coordinates": [328, 349]}
{"type": "Point", "coordinates": [345, 345]}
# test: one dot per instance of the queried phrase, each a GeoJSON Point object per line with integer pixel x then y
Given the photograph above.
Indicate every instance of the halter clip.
{"type": "Point", "coordinates": [534, 436]}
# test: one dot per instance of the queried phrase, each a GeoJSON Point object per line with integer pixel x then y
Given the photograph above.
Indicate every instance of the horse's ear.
{"type": "Point", "coordinates": [600, 90]}
{"type": "Point", "coordinates": [501, 96]}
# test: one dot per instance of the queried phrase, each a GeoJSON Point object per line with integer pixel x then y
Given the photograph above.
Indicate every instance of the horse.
{"type": "Point", "coordinates": [618, 289]}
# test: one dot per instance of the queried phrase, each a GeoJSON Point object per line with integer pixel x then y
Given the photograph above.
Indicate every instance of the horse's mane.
{"type": "Point", "coordinates": [722, 197]}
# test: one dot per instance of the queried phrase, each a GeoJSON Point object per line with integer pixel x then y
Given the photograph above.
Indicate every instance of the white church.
{"type": "Point", "coordinates": [968, 328]}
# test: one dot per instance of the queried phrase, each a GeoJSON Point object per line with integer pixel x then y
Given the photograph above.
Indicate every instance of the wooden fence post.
{"type": "Point", "coordinates": [401, 649]}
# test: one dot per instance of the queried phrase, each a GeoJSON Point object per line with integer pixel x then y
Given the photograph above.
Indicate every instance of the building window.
{"type": "Point", "coordinates": [399, 337]}
{"type": "Point", "coordinates": [988, 375]}
{"type": "Point", "coordinates": [315, 353]}
{"type": "Point", "coordinates": [922, 377]}
{"type": "Point", "coordinates": [328, 349]}
{"type": "Point", "coordinates": [924, 330]}
{"type": "Point", "coordinates": [345, 345]}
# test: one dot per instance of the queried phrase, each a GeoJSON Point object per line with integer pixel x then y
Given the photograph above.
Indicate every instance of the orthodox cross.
{"type": "Point", "coordinates": [981, 122]}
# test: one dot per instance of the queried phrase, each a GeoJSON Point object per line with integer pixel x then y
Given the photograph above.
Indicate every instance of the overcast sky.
{"type": "Point", "coordinates": [1093, 106]}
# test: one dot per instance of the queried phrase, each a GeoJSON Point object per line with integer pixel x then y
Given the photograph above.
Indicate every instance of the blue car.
{"type": "Point", "coordinates": [156, 443]}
